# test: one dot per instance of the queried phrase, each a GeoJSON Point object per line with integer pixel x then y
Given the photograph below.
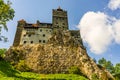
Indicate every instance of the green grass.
{"type": "Point", "coordinates": [7, 72]}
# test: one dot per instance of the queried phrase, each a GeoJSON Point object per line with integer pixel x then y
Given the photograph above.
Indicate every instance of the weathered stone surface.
{"type": "Point", "coordinates": [61, 53]}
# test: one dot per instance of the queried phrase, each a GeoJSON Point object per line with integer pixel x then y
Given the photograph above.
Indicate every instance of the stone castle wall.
{"type": "Point", "coordinates": [18, 36]}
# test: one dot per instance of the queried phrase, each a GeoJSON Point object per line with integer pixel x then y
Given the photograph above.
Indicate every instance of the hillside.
{"type": "Point", "coordinates": [61, 53]}
{"type": "Point", "coordinates": [7, 72]}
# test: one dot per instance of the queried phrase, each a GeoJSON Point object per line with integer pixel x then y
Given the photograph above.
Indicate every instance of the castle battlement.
{"type": "Point", "coordinates": [29, 33]}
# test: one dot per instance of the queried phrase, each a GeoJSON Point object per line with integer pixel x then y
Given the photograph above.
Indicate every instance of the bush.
{"type": "Point", "coordinates": [2, 53]}
{"type": "Point", "coordinates": [117, 76]}
{"type": "Point", "coordinates": [22, 66]}
{"type": "Point", "coordinates": [95, 77]}
{"type": "Point", "coordinates": [74, 70]}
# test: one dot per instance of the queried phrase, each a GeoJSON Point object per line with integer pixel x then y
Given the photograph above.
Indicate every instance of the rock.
{"type": "Point", "coordinates": [60, 53]}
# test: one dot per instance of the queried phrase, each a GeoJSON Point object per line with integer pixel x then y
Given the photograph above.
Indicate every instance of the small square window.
{"type": "Point", "coordinates": [40, 30]}
{"type": "Point", "coordinates": [24, 35]}
{"type": "Point", "coordinates": [31, 42]}
{"type": "Point", "coordinates": [39, 41]}
{"type": "Point", "coordinates": [43, 41]}
{"type": "Point", "coordinates": [43, 35]}
{"type": "Point", "coordinates": [25, 42]}
{"type": "Point", "coordinates": [29, 35]}
{"type": "Point", "coordinates": [63, 23]}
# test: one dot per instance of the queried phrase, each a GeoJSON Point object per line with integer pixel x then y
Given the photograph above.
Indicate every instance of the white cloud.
{"type": "Point", "coordinates": [114, 4]}
{"type": "Point", "coordinates": [98, 30]}
{"type": "Point", "coordinates": [117, 31]}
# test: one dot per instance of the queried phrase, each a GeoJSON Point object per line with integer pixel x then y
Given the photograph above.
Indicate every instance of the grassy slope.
{"type": "Point", "coordinates": [7, 72]}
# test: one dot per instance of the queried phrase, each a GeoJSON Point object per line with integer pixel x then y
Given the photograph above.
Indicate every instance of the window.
{"type": "Point", "coordinates": [40, 30]}
{"type": "Point", "coordinates": [63, 23]}
{"type": "Point", "coordinates": [25, 42]}
{"type": "Point", "coordinates": [31, 42]}
{"type": "Point", "coordinates": [39, 41]}
{"type": "Point", "coordinates": [56, 17]}
{"type": "Point", "coordinates": [24, 35]}
{"type": "Point", "coordinates": [43, 41]}
{"type": "Point", "coordinates": [43, 35]}
{"type": "Point", "coordinates": [29, 35]}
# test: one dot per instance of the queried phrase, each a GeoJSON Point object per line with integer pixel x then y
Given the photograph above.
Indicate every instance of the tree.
{"type": "Point", "coordinates": [6, 14]}
{"type": "Point", "coordinates": [117, 71]}
{"type": "Point", "coordinates": [106, 64]}
{"type": "Point", "coordinates": [117, 68]}
{"type": "Point", "coordinates": [114, 70]}
{"type": "Point", "coordinates": [2, 53]}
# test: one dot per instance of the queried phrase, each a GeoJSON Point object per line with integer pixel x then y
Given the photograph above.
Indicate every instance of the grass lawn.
{"type": "Point", "coordinates": [7, 72]}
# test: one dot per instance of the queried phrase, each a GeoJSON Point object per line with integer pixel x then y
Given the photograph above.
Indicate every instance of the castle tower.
{"type": "Point", "coordinates": [60, 19]}
{"type": "Point", "coordinates": [35, 33]}
{"type": "Point", "coordinates": [18, 34]}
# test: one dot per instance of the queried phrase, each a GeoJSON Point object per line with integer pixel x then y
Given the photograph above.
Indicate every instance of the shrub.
{"type": "Point", "coordinates": [74, 70]}
{"type": "Point", "coordinates": [95, 77]}
{"type": "Point", "coordinates": [22, 66]}
{"type": "Point", "coordinates": [2, 53]}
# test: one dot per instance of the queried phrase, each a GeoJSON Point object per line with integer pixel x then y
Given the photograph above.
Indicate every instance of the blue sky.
{"type": "Point", "coordinates": [32, 10]}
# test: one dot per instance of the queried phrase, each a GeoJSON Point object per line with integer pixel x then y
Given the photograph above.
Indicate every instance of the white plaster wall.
{"type": "Point", "coordinates": [37, 36]}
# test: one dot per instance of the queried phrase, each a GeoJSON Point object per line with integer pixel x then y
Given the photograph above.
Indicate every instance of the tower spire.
{"type": "Point", "coordinates": [59, 8]}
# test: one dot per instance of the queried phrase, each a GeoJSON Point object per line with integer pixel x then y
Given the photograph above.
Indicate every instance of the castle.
{"type": "Point", "coordinates": [62, 51]}
{"type": "Point", "coordinates": [28, 33]}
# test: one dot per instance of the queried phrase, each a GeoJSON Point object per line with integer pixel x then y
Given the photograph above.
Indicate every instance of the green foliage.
{"type": "Point", "coordinates": [106, 64]}
{"type": "Point", "coordinates": [95, 77]}
{"type": "Point", "coordinates": [22, 66]}
{"type": "Point", "coordinates": [117, 68]}
{"type": "Point", "coordinates": [117, 71]}
{"type": "Point", "coordinates": [114, 70]}
{"type": "Point", "coordinates": [2, 52]}
{"type": "Point", "coordinates": [6, 69]}
{"type": "Point", "coordinates": [74, 70]}
{"type": "Point", "coordinates": [7, 72]}
{"type": "Point", "coordinates": [16, 55]}
{"type": "Point", "coordinates": [6, 14]}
